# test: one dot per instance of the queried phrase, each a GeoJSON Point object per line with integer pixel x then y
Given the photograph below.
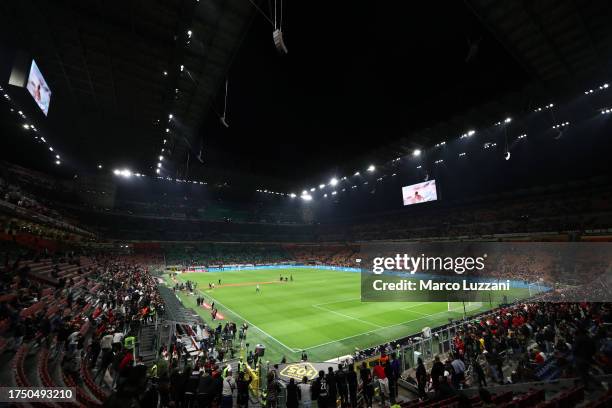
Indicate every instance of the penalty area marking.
{"type": "Point", "coordinates": [347, 316]}
{"type": "Point", "coordinates": [337, 301]}
{"type": "Point", "coordinates": [374, 330]}
{"type": "Point", "coordinates": [296, 350]}
{"type": "Point", "coordinates": [415, 306]}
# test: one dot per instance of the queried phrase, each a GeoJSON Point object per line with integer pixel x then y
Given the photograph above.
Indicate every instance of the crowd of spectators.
{"type": "Point", "coordinates": [23, 212]}
{"type": "Point", "coordinates": [179, 218]}
{"type": "Point", "coordinates": [127, 296]}
{"type": "Point", "coordinates": [348, 384]}
{"type": "Point", "coordinates": [90, 318]}
{"type": "Point", "coordinates": [12, 226]}
{"type": "Point", "coordinates": [13, 194]}
{"type": "Point", "coordinates": [535, 213]}
{"type": "Point", "coordinates": [15, 200]}
{"type": "Point", "coordinates": [252, 254]}
{"type": "Point", "coordinates": [540, 266]}
{"type": "Point", "coordinates": [204, 378]}
{"type": "Point", "coordinates": [206, 383]}
{"type": "Point", "coordinates": [195, 208]}
{"type": "Point", "coordinates": [87, 321]}
{"type": "Point", "coordinates": [224, 254]}
{"type": "Point", "coordinates": [524, 343]}
{"type": "Point", "coordinates": [193, 369]}
{"type": "Point", "coordinates": [105, 303]}
{"type": "Point", "coordinates": [334, 255]}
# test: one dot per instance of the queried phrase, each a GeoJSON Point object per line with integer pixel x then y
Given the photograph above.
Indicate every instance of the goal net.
{"type": "Point", "coordinates": [463, 307]}
{"type": "Point", "coordinates": [535, 288]}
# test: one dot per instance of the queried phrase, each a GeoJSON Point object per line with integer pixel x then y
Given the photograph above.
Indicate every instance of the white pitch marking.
{"type": "Point", "coordinates": [347, 316]}
{"type": "Point", "coordinates": [337, 301]}
{"type": "Point", "coordinates": [414, 306]}
{"type": "Point", "coordinates": [373, 331]}
{"type": "Point", "coordinates": [252, 325]}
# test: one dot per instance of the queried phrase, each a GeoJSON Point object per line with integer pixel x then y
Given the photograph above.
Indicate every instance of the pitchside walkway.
{"type": "Point", "coordinates": [175, 311]}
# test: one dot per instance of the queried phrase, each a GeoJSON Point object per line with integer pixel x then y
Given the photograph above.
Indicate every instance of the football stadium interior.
{"type": "Point", "coordinates": [233, 203]}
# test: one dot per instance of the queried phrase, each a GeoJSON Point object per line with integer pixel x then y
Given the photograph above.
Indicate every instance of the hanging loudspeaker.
{"type": "Point", "coordinates": [223, 121]}
{"type": "Point", "coordinates": [279, 42]}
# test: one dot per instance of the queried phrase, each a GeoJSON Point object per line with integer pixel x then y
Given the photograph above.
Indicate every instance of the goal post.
{"type": "Point", "coordinates": [535, 288]}
{"type": "Point", "coordinates": [463, 307]}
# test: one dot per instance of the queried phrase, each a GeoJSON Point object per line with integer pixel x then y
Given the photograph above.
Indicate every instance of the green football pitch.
{"type": "Point", "coordinates": [320, 311]}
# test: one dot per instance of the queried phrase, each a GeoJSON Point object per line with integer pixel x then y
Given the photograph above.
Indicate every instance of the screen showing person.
{"type": "Point", "coordinates": [420, 193]}
{"type": "Point", "coordinates": [38, 88]}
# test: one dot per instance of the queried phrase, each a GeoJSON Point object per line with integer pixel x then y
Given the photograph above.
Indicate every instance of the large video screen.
{"type": "Point", "coordinates": [420, 193]}
{"type": "Point", "coordinates": [38, 88]}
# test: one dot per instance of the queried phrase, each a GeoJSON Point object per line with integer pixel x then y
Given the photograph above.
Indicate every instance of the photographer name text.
{"type": "Point", "coordinates": [429, 284]}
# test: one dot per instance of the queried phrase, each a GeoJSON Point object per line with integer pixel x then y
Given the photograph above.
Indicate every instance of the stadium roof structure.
{"type": "Point", "coordinates": [373, 82]}
{"type": "Point", "coordinates": [114, 68]}
{"type": "Point", "coordinates": [359, 85]}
